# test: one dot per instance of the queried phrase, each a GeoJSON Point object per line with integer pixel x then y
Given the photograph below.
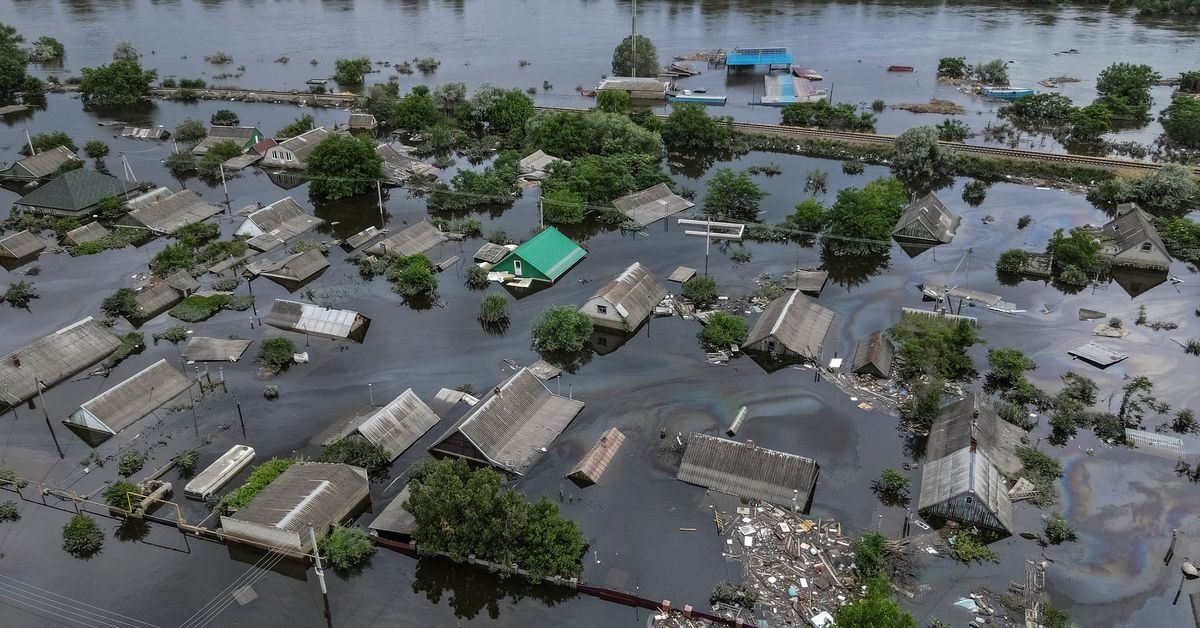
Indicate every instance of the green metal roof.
{"type": "Point", "coordinates": [74, 191]}
{"type": "Point", "coordinates": [551, 253]}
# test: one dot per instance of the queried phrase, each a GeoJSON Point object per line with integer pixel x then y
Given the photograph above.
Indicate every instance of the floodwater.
{"type": "Point", "coordinates": [1123, 504]}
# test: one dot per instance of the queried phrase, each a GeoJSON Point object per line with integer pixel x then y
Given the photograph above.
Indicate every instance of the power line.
{"type": "Point", "coordinates": [71, 606]}
{"type": "Point", "coordinates": [215, 612]}
{"type": "Point", "coordinates": [269, 557]}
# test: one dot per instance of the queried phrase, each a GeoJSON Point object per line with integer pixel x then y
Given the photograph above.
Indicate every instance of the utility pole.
{"type": "Point", "coordinates": [46, 412]}
{"type": "Point", "coordinates": [312, 535]}
{"type": "Point", "coordinates": [541, 223]}
{"type": "Point", "coordinates": [379, 194]}
{"type": "Point", "coordinates": [223, 186]}
{"type": "Point", "coordinates": [632, 38]}
{"type": "Point", "coordinates": [28, 139]}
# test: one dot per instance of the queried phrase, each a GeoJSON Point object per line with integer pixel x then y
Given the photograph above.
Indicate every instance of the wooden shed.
{"type": "Point", "coordinates": [873, 356]}
{"type": "Point", "coordinates": [589, 468]}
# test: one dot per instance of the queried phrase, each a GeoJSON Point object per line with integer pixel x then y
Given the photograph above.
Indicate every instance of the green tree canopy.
{"type": "Point", "coordinates": [46, 48]}
{"type": "Point", "coordinates": [562, 207]}
{"type": "Point", "coordinates": [12, 61]}
{"type": "Point", "coordinates": [863, 219]}
{"type": "Point", "coordinates": [190, 131]}
{"type": "Point", "coordinates": [118, 83]}
{"type": "Point", "coordinates": [614, 101]}
{"type": "Point", "coordinates": [562, 329]}
{"type": "Point", "coordinates": [503, 110]}
{"type": "Point", "coordinates": [225, 117]}
{"type": "Point", "coordinates": [733, 195]}
{"type": "Point", "coordinates": [304, 123]}
{"type": "Point", "coordinates": [351, 71]}
{"type": "Point", "coordinates": [919, 156]}
{"type": "Point", "coordinates": [823, 115]}
{"type": "Point", "coordinates": [994, 72]}
{"type": "Point", "coordinates": [569, 135]}
{"type": "Point", "coordinates": [1181, 122]}
{"type": "Point", "coordinates": [875, 610]}
{"type": "Point", "coordinates": [952, 67]}
{"type": "Point", "coordinates": [690, 127]}
{"type": "Point", "coordinates": [599, 179]}
{"type": "Point", "coordinates": [43, 142]}
{"type": "Point", "coordinates": [343, 165]}
{"type": "Point", "coordinates": [929, 345]}
{"type": "Point", "coordinates": [722, 331]}
{"type": "Point", "coordinates": [1128, 81]}
{"type": "Point", "coordinates": [625, 63]}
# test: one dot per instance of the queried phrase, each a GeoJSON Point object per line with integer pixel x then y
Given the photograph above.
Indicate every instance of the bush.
{"type": "Point", "coordinates": [196, 234]}
{"type": "Point", "coordinates": [493, 309]}
{"type": "Point", "coordinates": [185, 461]}
{"type": "Point", "coordinates": [562, 329]}
{"type": "Point", "coordinates": [1043, 471]}
{"type": "Point", "coordinates": [822, 114]}
{"type": "Point", "coordinates": [346, 548]}
{"type": "Point", "coordinates": [1012, 261]}
{"type": "Point", "coordinates": [227, 284]}
{"type": "Point", "coordinates": [95, 149]}
{"type": "Point", "coordinates": [173, 257]}
{"type": "Point", "coordinates": [9, 512]}
{"type": "Point", "coordinates": [853, 167]}
{"type": "Point", "coordinates": [225, 117]}
{"type": "Point", "coordinates": [968, 549]}
{"type": "Point", "coordinates": [198, 308]}
{"type": "Point", "coordinates": [260, 477]}
{"type": "Point", "coordinates": [360, 452]}
{"type": "Point", "coordinates": [174, 334]}
{"type": "Point", "coordinates": [477, 278]}
{"type": "Point", "coordinates": [974, 192]}
{"type": "Point", "coordinates": [929, 345]}
{"type": "Point", "coordinates": [953, 67]}
{"type": "Point", "coordinates": [351, 71]}
{"type": "Point", "coordinates": [180, 164]}
{"type": "Point", "coordinates": [271, 392]}
{"type": "Point", "coordinates": [129, 463]}
{"type": "Point", "coordinates": [891, 484]}
{"type": "Point", "coordinates": [9, 478]}
{"type": "Point", "coordinates": [1058, 530]}
{"type": "Point", "coordinates": [190, 131]}
{"type": "Point", "coordinates": [878, 105]}
{"type": "Point", "coordinates": [132, 343]}
{"type": "Point", "coordinates": [117, 495]}
{"type": "Point", "coordinates": [689, 127]}
{"type": "Point", "coordinates": [43, 142]}
{"type": "Point", "coordinates": [1024, 221]}
{"type": "Point", "coordinates": [427, 65]}
{"type": "Point", "coordinates": [275, 353]}
{"type": "Point", "coordinates": [123, 302]}
{"type": "Point", "coordinates": [296, 127]}
{"type": "Point", "coordinates": [701, 291]}
{"type": "Point", "coordinates": [562, 207]}
{"type": "Point", "coordinates": [82, 537]}
{"type": "Point", "coordinates": [953, 130]}
{"type": "Point", "coordinates": [412, 277]}
{"type": "Point", "coordinates": [342, 166]}
{"type": "Point", "coordinates": [19, 294]}
{"type": "Point", "coordinates": [722, 331]}
{"type": "Point", "coordinates": [869, 554]}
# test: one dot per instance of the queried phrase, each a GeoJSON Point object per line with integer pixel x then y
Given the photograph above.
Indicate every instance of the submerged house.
{"type": "Point", "coordinates": [652, 204]}
{"type": "Point", "coordinates": [415, 238]}
{"type": "Point", "coordinates": [791, 327]}
{"type": "Point", "coordinates": [362, 122]}
{"type": "Point", "coordinates": [276, 223]}
{"type": "Point", "coordinates": [1131, 241]}
{"type": "Point", "coordinates": [75, 193]}
{"type": "Point", "coordinates": [164, 295]}
{"type": "Point", "coordinates": [398, 166]}
{"type": "Point", "coordinates": [394, 427]}
{"type": "Point", "coordinates": [315, 494]}
{"type": "Point", "coordinates": [926, 222]}
{"type": "Point", "coordinates": [589, 468]}
{"type": "Point", "coordinates": [511, 425]}
{"type": "Point", "coordinates": [90, 232]}
{"type": "Point", "coordinates": [624, 303]}
{"type": "Point", "coordinates": [292, 152]}
{"type": "Point", "coordinates": [748, 471]}
{"type": "Point", "coordinates": [291, 272]}
{"type": "Point", "coordinates": [244, 136]}
{"type": "Point", "coordinates": [316, 320]}
{"type": "Point", "coordinates": [873, 356]}
{"type": "Point", "coordinates": [167, 212]}
{"type": "Point", "coordinates": [128, 402]}
{"type": "Point", "coordinates": [21, 245]}
{"type": "Point", "coordinates": [544, 258]}
{"type": "Point", "coordinates": [39, 166]}
{"type": "Point", "coordinates": [970, 449]}
{"type": "Point", "coordinates": [638, 88]}
{"type": "Point", "coordinates": [535, 165]}
{"type": "Point", "coordinates": [53, 358]}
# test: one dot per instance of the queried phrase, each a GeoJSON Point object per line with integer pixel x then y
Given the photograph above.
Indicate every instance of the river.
{"type": "Point", "coordinates": [1123, 504]}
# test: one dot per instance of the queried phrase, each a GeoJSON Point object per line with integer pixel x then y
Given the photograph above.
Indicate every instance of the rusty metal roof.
{"type": "Point", "coordinates": [596, 460]}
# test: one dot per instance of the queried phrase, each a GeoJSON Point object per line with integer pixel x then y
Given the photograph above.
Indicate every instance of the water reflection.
{"type": "Point", "coordinates": [472, 590]}
{"type": "Point", "coordinates": [849, 270]}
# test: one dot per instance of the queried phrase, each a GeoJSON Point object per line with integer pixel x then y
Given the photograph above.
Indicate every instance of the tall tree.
{"type": "Point", "coordinates": [12, 61]}
{"type": "Point", "coordinates": [920, 159]}
{"type": "Point", "coordinates": [624, 62]}
{"type": "Point", "coordinates": [118, 83]}
{"type": "Point", "coordinates": [343, 166]}
{"type": "Point", "coordinates": [733, 195]}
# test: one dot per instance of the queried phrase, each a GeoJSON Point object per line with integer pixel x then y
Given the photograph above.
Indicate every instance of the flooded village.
{"type": "Point", "coordinates": [456, 313]}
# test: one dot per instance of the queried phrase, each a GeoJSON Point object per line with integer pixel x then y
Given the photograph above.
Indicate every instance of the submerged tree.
{"type": "Point", "coordinates": [625, 62]}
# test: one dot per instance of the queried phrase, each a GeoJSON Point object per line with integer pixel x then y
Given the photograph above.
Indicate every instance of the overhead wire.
{"type": "Point", "coordinates": [273, 556]}
{"type": "Point", "coordinates": [213, 613]}
{"type": "Point", "coordinates": [83, 612]}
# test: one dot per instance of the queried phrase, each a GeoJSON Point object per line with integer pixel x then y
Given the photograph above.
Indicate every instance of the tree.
{"type": "Point", "coordinates": [415, 111]}
{"type": "Point", "coordinates": [117, 495]}
{"type": "Point", "coordinates": [953, 130]}
{"type": "Point", "coordinates": [304, 123]}
{"type": "Point", "coordinates": [994, 72]}
{"type": "Point", "coordinates": [1184, 422]}
{"type": "Point", "coordinates": [869, 556]}
{"type": "Point", "coordinates": [935, 346]}
{"type": "Point", "coordinates": [1041, 108]}
{"type": "Point", "coordinates": [275, 353]}
{"type": "Point", "coordinates": [412, 278]}
{"type": "Point", "coordinates": [822, 114]}
{"type": "Point", "coordinates": [808, 217]}
{"type": "Point", "coordinates": [12, 61]}
{"type": "Point", "coordinates": [562, 207]}
{"type": "Point", "coordinates": [733, 195]}
{"type": "Point", "coordinates": [922, 407]}
{"type": "Point", "coordinates": [351, 71]}
{"type": "Point", "coordinates": [19, 294]}
{"type": "Point", "coordinates": [599, 179]}
{"type": "Point", "coordinates": [1129, 82]}
{"type": "Point", "coordinates": [612, 101]}
{"type": "Point", "coordinates": [551, 545]}
{"type": "Point", "coordinates": [95, 149]}
{"type": "Point", "coordinates": [969, 549]}
{"type": "Point", "coordinates": [477, 278]}
{"type": "Point", "coordinates": [346, 548]}
{"type": "Point", "coordinates": [919, 157]}
{"type": "Point", "coordinates": [449, 96]}
{"type": "Point", "coordinates": [892, 486]}
{"type": "Point", "coordinates": [1012, 261]}
{"type": "Point", "coordinates": [46, 48]}
{"type": "Point", "coordinates": [343, 165]}
{"type": "Point", "coordinates": [690, 127]}
{"type": "Point", "coordinates": [225, 117]}
{"type": "Point", "coordinates": [510, 112]}
{"type": "Point", "coordinates": [975, 192]}
{"type": "Point", "coordinates": [82, 537]}
{"type": "Point", "coordinates": [875, 610]}
{"type": "Point", "coordinates": [569, 135]}
{"type": "Point", "coordinates": [43, 142]}
{"type": "Point", "coordinates": [1181, 122]}
{"type": "Point", "coordinates": [185, 462]}
{"type": "Point", "coordinates": [863, 219]}
{"type": "Point", "coordinates": [1170, 189]}
{"type": "Point", "coordinates": [180, 164]}
{"type": "Point", "coordinates": [1007, 368]}
{"type": "Point", "coordinates": [196, 234]}
{"type": "Point", "coordinates": [130, 463]}
{"type": "Point", "coordinates": [1058, 530]}
{"type": "Point", "coordinates": [493, 309]}
{"type": "Point", "coordinates": [360, 452]}
{"type": "Point", "coordinates": [118, 83]}
{"type": "Point", "coordinates": [125, 51]}
{"type": "Point", "coordinates": [123, 302]}
{"type": "Point", "coordinates": [953, 67]}
{"type": "Point", "coordinates": [1087, 124]}
{"type": "Point", "coordinates": [1079, 249]}
{"type": "Point", "coordinates": [816, 182]}
{"type": "Point", "coordinates": [701, 291]}
{"type": "Point", "coordinates": [722, 331]}
{"type": "Point", "coordinates": [625, 62]}
{"type": "Point", "coordinates": [190, 131]}
{"type": "Point", "coordinates": [562, 329]}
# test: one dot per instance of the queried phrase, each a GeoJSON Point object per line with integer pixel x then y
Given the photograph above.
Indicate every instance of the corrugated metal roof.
{"type": "Point", "coordinates": [306, 493]}
{"type": "Point", "coordinates": [682, 274]}
{"type": "Point", "coordinates": [53, 358]}
{"type": "Point", "coordinates": [538, 161]}
{"type": "Point", "coordinates": [167, 214]}
{"type": "Point", "coordinates": [794, 321]}
{"type": "Point", "coordinates": [873, 355]}
{"type": "Point", "coordinates": [293, 269]}
{"type": "Point", "coordinates": [303, 144]}
{"type": "Point", "coordinates": [633, 294]}
{"type": "Point", "coordinates": [395, 518]}
{"type": "Point", "coordinates": [748, 471]}
{"type": "Point", "coordinates": [164, 295]}
{"type": "Point", "coordinates": [927, 220]}
{"type": "Point", "coordinates": [316, 320]}
{"type": "Point", "coordinates": [652, 204]}
{"type": "Point", "coordinates": [966, 487]}
{"type": "Point", "coordinates": [1100, 355]}
{"type": "Point", "coordinates": [758, 56]}
{"type": "Point", "coordinates": [74, 191]}
{"type": "Point", "coordinates": [361, 238]}
{"type": "Point", "coordinates": [596, 460]}
{"type": "Point", "coordinates": [398, 165]}
{"type": "Point", "coordinates": [126, 403]}
{"type": "Point", "coordinates": [959, 421]}
{"type": "Point", "coordinates": [203, 349]}
{"type": "Point", "coordinates": [491, 253]}
{"type": "Point", "coordinates": [240, 135]}
{"type": "Point", "coordinates": [396, 426]}
{"type": "Point", "coordinates": [550, 252]}
{"type": "Point", "coordinates": [276, 223]}
{"type": "Point", "coordinates": [514, 421]}
{"type": "Point", "coordinates": [46, 162]}
{"type": "Point", "coordinates": [1170, 447]}
{"type": "Point", "coordinates": [87, 233]}
{"type": "Point", "coordinates": [411, 240]}
{"type": "Point", "coordinates": [20, 245]}
{"type": "Point", "coordinates": [634, 84]}
{"type": "Point", "coordinates": [140, 133]}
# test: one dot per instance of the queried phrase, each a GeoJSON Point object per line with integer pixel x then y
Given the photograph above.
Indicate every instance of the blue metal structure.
{"type": "Point", "coordinates": [749, 57]}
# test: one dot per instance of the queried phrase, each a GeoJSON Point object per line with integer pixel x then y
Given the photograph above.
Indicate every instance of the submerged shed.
{"type": "Point", "coordinates": [792, 326]}
{"type": "Point", "coordinates": [359, 239]}
{"type": "Point", "coordinates": [873, 355]}
{"type": "Point", "coordinates": [362, 122]}
{"type": "Point", "coordinates": [926, 221]}
{"type": "Point", "coordinates": [292, 152]}
{"type": "Point", "coordinates": [749, 471]}
{"type": "Point", "coordinates": [164, 295]}
{"type": "Point", "coordinates": [276, 223]}
{"type": "Point", "coordinates": [638, 88]}
{"type": "Point", "coordinates": [1098, 355]}
{"type": "Point", "coordinates": [53, 358]}
{"type": "Point", "coordinates": [395, 522]}
{"type": "Point", "coordinates": [652, 204]}
{"type": "Point", "coordinates": [39, 166]}
{"type": "Point", "coordinates": [204, 349]}
{"type": "Point", "coordinates": [627, 301]}
{"type": "Point", "coordinates": [511, 425]}
{"type": "Point", "coordinates": [810, 282]}
{"type": "Point", "coordinates": [316, 320]}
{"type": "Point", "coordinates": [589, 468]}
{"type": "Point", "coordinates": [682, 274]}
{"type": "Point", "coordinates": [395, 427]}
{"type": "Point", "coordinates": [244, 137]}
{"type": "Point", "coordinates": [126, 403]}
{"type": "Point", "coordinates": [545, 257]}
{"type": "Point", "coordinates": [491, 253]}
{"type": "Point", "coordinates": [307, 494]}
{"type": "Point", "coordinates": [90, 232]}
{"type": "Point", "coordinates": [21, 245]}
{"type": "Point", "coordinates": [411, 240]}
{"type": "Point", "coordinates": [965, 487]}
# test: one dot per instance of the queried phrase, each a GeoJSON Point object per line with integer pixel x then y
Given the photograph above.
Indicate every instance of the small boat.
{"type": "Point", "coordinates": [590, 93]}
{"type": "Point", "coordinates": [1005, 93]}
{"type": "Point", "coordinates": [317, 81]}
{"type": "Point", "coordinates": [899, 68]}
{"type": "Point", "coordinates": [806, 73]}
{"type": "Point", "coordinates": [688, 95]}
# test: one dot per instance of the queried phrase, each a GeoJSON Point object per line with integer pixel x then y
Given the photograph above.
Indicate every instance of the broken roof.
{"type": "Point", "coordinates": [968, 419]}
{"type": "Point", "coordinates": [965, 486]}
{"type": "Point", "coordinates": [633, 293]}
{"type": "Point", "coordinates": [276, 223]}
{"type": "Point", "coordinates": [748, 471]}
{"type": "Point", "coordinates": [511, 425]}
{"type": "Point", "coordinates": [44, 163]}
{"type": "Point", "coordinates": [396, 426]}
{"type": "Point", "coordinates": [126, 403]}
{"type": "Point", "coordinates": [652, 204]}
{"type": "Point", "coordinates": [415, 238]}
{"type": "Point", "coordinates": [398, 165]}
{"type": "Point", "coordinates": [303, 144]}
{"type": "Point", "coordinates": [203, 349]}
{"type": "Point", "coordinates": [927, 220]}
{"type": "Point", "coordinates": [794, 321]}
{"type": "Point", "coordinates": [596, 460]}
{"type": "Point", "coordinates": [74, 191]}
{"type": "Point", "coordinates": [87, 233]}
{"type": "Point", "coordinates": [307, 318]}
{"type": "Point", "coordinates": [53, 358]}
{"type": "Point", "coordinates": [169, 213]}
{"type": "Point", "coordinates": [873, 355]}
{"type": "Point", "coordinates": [20, 245]}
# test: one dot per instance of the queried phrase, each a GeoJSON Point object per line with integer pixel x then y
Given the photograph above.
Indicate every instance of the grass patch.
{"type": "Point", "coordinates": [260, 477]}
{"type": "Point", "coordinates": [116, 239]}
{"type": "Point", "coordinates": [132, 343]}
{"type": "Point", "coordinates": [1043, 471]}
{"type": "Point", "coordinates": [198, 308]}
